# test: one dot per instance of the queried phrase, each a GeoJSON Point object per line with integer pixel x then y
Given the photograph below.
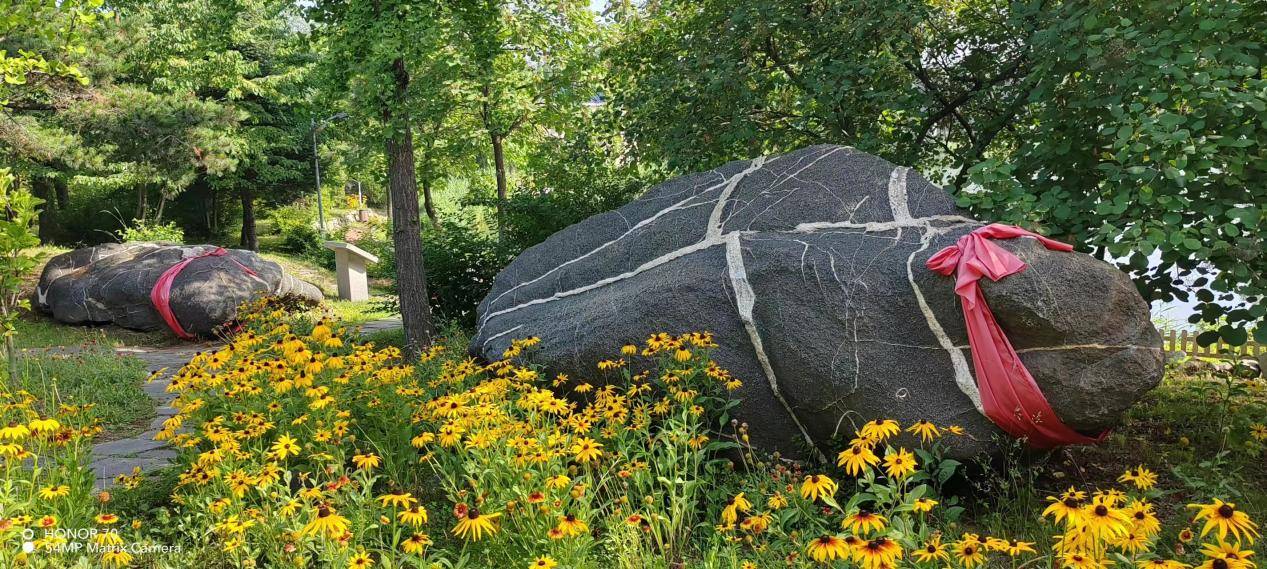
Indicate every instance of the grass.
{"type": "Point", "coordinates": [38, 331]}
{"type": "Point", "coordinates": [266, 234]}
{"type": "Point", "coordinates": [384, 338]}
{"type": "Point", "coordinates": [360, 311]}
{"type": "Point", "coordinates": [306, 270]}
{"type": "Point", "coordinates": [93, 376]}
{"type": "Point", "coordinates": [1192, 430]}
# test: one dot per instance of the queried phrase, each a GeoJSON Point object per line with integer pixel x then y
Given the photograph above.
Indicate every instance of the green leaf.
{"type": "Point", "coordinates": [1233, 335]}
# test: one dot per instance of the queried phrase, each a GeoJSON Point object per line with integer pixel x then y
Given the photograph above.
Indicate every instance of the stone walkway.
{"type": "Point", "coordinates": [110, 459]}
{"type": "Point", "coordinates": [380, 325]}
{"type": "Point", "coordinates": [113, 458]}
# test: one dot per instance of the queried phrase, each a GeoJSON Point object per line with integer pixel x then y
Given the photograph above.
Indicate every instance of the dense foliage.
{"type": "Point", "coordinates": [1134, 130]}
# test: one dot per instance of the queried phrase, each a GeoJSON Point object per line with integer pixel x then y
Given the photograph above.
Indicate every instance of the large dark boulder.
{"type": "Point", "coordinates": [809, 269]}
{"type": "Point", "coordinates": [112, 283]}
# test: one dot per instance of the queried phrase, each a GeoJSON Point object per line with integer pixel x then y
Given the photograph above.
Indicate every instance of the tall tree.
{"type": "Point", "coordinates": [41, 47]}
{"type": "Point", "coordinates": [1131, 129]}
{"type": "Point", "coordinates": [702, 82]}
{"type": "Point", "coordinates": [164, 140]}
{"type": "Point", "coordinates": [374, 49]}
{"type": "Point", "coordinates": [1142, 138]}
{"type": "Point", "coordinates": [249, 56]}
{"type": "Point", "coordinates": [38, 42]}
{"type": "Point", "coordinates": [527, 62]}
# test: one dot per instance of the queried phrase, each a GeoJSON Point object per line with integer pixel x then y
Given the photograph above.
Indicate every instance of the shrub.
{"type": "Point", "coordinates": [152, 230]}
{"type": "Point", "coordinates": [16, 261]}
{"type": "Point", "coordinates": [568, 181]}
{"type": "Point", "coordinates": [461, 264]}
{"type": "Point", "coordinates": [296, 223]}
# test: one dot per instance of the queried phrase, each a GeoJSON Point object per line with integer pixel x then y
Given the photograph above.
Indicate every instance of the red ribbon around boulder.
{"type": "Point", "coordinates": [161, 294]}
{"type": "Point", "coordinates": [1009, 395]}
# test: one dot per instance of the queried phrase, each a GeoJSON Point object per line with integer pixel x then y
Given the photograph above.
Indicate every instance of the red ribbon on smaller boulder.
{"type": "Point", "coordinates": [161, 294]}
{"type": "Point", "coordinates": [1009, 395]}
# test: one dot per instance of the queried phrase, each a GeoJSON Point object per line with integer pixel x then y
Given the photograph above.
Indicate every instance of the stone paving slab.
{"type": "Point", "coordinates": [128, 447]}
{"type": "Point", "coordinates": [108, 469]}
{"type": "Point", "coordinates": [380, 325]}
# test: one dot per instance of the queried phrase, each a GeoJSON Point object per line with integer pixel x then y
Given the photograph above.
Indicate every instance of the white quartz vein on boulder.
{"type": "Point", "coordinates": [679, 205]}
{"type": "Point", "coordinates": [714, 235]}
{"type": "Point", "coordinates": [963, 376]}
{"type": "Point", "coordinates": [897, 194]}
{"type": "Point", "coordinates": [745, 300]}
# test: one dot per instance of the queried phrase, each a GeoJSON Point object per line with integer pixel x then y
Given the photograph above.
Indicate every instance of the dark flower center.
{"type": "Point", "coordinates": [1101, 511]}
{"type": "Point", "coordinates": [1226, 511]}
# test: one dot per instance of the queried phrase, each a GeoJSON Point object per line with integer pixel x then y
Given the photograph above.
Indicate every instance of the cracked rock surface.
{"type": "Point", "coordinates": [809, 269]}
{"type": "Point", "coordinates": [111, 284]}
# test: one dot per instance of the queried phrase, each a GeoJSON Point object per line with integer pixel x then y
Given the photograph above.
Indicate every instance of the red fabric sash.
{"type": "Point", "coordinates": [1009, 395]}
{"type": "Point", "coordinates": [161, 294]}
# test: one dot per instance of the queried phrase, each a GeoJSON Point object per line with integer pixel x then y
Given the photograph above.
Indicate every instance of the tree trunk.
{"type": "Point", "coordinates": [248, 240]}
{"type": "Point", "coordinates": [427, 203]}
{"type": "Point", "coordinates": [499, 166]}
{"type": "Point", "coordinates": [44, 189]}
{"type": "Point", "coordinates": [402, 183]}
{"type": "Point", "coordinates": [142, 197]}
{"type": "Point", "coordinates": [213, 225]}
{"type": "Point", "coordinates": [63, 193]}
{"type": "Point", "coordinates": [430, 132]}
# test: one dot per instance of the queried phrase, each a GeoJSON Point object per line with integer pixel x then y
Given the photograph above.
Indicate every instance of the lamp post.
{"type": "Point", "coordinates": [316, 165]}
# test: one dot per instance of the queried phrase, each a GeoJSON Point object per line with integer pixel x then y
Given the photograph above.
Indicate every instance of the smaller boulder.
{"type": "Point", "coordinates": [1248, 369]}
{"type": "Point", "coordinates": [1196, 366]}
{"type": "Point", "coordinates": [112, 284]}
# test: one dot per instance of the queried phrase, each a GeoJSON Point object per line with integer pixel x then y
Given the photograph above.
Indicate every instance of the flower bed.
{"type": "Point", "coordinates": [301, 446]}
